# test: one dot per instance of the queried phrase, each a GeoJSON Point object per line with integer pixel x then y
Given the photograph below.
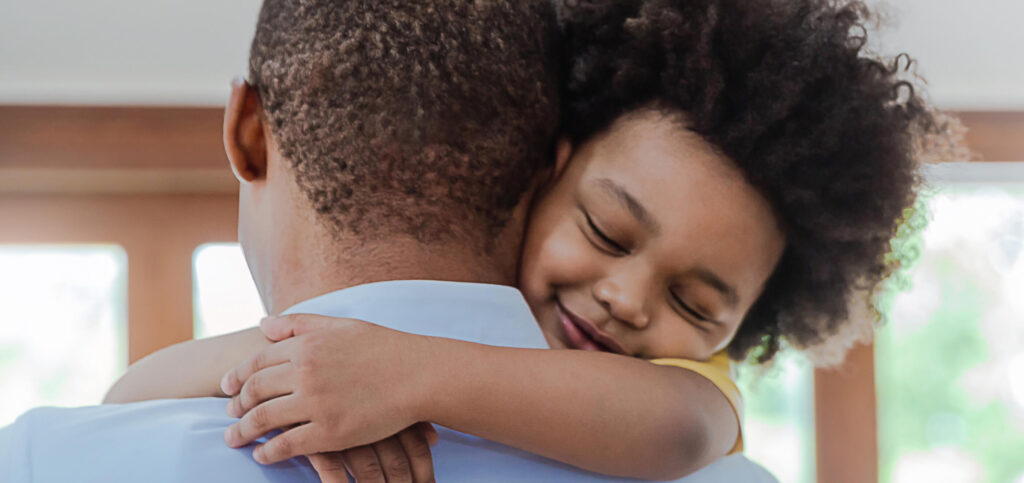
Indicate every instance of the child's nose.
{"type": "Point", "coordinates": [623, 303]}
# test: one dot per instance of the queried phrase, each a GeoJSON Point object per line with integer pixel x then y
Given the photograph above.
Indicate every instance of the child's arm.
{"type": "Point", "coordinates": [601, 412]}
{"type": "Point", "coordinates": [194, 369]}
{"type": "Point", "coordinates": [188, 369]}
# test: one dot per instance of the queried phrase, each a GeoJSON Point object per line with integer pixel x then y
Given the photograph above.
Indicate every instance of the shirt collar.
{"type": "Point", "coordinates": [474, 312]}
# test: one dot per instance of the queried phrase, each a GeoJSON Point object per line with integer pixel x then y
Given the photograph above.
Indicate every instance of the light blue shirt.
{"type": "Point", "coordinates": [182, 440]}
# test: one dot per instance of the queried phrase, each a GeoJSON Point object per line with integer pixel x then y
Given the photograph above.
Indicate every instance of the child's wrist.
{"type": "Point", "coordinates": [418, 378]}
{"type": "Point", "coordinates": [436, 378]}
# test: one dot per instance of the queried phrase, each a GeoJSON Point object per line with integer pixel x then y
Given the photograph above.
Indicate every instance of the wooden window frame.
{"type": "Point", "coordinates": [154, 180]}
{"type": "Point", "coordinates": [159, 234]}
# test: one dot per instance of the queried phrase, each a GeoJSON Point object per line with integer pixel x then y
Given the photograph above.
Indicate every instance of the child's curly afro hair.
{"type": "Point", "coordinates": [829, 135]}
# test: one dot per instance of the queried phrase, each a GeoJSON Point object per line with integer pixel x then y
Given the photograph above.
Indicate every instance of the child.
{"type": "Point", "coordinates": [733, 174]}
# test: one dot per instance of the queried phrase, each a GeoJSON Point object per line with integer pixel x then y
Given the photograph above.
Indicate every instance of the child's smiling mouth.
{"type": "Point", "coordinates": [584, 335]}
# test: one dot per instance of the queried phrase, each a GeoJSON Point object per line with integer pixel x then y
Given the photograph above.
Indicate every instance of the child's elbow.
{"type": "Point", "coordinates": [697, 443]}
{"type": "Point", "coordinates": [114, 396]}
{"type": "Point", "coordinates": [118, 393]}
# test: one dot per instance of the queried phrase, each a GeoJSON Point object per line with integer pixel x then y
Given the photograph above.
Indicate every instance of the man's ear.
{"type": "Point", "coordinates": [244, 138]}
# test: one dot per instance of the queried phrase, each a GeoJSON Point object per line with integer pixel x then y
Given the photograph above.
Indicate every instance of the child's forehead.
{"type": "Point", "coordinates": [640, 144]}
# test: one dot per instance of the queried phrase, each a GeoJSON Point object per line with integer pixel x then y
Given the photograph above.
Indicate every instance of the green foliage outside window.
{"type": "Point", "coordinates": [950, 361]}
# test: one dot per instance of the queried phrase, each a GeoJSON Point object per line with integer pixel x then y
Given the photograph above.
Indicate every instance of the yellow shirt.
{"type": "Point", "coordinates": [718, 370]}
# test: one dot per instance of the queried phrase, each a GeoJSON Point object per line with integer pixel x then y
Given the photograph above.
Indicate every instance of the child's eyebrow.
{"type": "Point", "coordinates": [631, 204]}
{"type": "Point", "coordinates": [727, 291]}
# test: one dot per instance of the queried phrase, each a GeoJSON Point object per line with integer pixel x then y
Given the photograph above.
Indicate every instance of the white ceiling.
{"type": "Point", "coordinates": [187, 51]}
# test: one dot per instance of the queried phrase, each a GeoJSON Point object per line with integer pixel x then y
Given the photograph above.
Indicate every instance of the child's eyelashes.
{"type": "Point", "coordinates": [604, 242]}
{"type": "Point", "coordinates": [702, 320]}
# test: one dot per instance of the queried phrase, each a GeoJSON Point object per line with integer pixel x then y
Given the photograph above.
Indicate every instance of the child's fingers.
{"type": "Point", "coordinates": [269, 383]}
{"type": "Point", "coordinates": [274, 414]}
{"type": "Point", "coordinates": [277, 328]}
{"type": "Point", "coordinates": [277, 353]}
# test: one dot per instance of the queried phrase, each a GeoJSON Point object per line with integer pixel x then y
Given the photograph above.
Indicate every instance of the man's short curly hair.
{"type": "Point", "coordinates": [785, 89]}
{"type": "Point", "coordinates": [428, 118]}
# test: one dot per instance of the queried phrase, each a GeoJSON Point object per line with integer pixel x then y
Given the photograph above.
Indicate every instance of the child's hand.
{"type": "Point", "coordinates": [345, 382]}
{"type": "Point", "coordinates": [403, 457]}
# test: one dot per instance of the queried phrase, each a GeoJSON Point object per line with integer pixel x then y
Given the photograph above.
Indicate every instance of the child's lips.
{"type": "Point", "coordinates": [584, 335]}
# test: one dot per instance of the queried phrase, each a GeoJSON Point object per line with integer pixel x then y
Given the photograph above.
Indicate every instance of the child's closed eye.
{"type": "Point", "coordinates": [601, 240]}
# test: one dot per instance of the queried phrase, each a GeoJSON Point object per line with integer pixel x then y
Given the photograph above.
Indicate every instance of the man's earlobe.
{"type": "Point", "coordinates": [244, 139]}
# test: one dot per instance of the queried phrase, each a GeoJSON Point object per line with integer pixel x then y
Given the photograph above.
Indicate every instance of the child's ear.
{"type": "Point", "coordinates": [244, 137]}
{"type": "Point", "coordinates": [563, 152]}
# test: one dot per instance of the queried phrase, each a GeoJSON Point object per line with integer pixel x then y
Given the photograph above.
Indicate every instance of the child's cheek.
{"type": "Point", "coordinates": [569, 258]}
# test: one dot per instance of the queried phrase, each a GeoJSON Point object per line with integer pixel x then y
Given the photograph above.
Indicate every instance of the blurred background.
{"type": "Point", "coordinates": [118, 212]}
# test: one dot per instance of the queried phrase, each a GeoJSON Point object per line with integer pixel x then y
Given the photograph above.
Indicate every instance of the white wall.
{"type": "Point", "coordinates": [187, 51]}
{"type": "Point", "coordinates": [123, 51]}
{"type": "Point", "coordinates": [970, 51]}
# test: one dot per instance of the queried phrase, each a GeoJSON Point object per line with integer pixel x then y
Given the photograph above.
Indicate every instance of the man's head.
{"type": "Point", "coordinates": [426, 121]}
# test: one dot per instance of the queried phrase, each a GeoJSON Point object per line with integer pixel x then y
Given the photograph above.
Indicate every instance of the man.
{"type": "Point", "coordinates": [387, 152]}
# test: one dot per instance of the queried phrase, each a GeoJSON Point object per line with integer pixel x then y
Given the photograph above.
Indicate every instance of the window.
{"type": "Point", "coordinates": [63, 337]}
{"type": "Point", "coordinates": [950, 362]}
{"type": "Point", "coordinates": [225, 297]}
{"type": "Point", "coordinates": [779, 420]}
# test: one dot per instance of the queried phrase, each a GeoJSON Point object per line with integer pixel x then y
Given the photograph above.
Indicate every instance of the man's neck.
{"type": "Point", "coordinates": [294, 256]}
{"type": "Point", "coordinates": [309, 271]}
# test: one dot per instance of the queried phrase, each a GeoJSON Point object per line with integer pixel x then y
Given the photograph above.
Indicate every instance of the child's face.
{"type": "Point", "coordinates": [649, 244]}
